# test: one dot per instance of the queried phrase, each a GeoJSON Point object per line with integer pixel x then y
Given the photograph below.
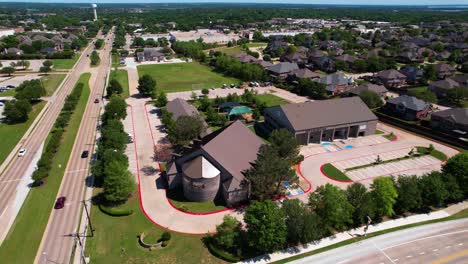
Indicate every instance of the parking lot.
{"type": "Point", "coordinates": [19, 79]}
{"type": "Point", "coordinates": [34, 65]}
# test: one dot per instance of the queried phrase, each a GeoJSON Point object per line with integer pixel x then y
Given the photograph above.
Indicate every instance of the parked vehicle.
{"type": "Point", "coordinates": [60, 203]}
{"type": "Point", "coordinates": [10, 86]}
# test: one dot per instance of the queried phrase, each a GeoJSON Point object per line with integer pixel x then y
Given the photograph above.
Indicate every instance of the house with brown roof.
{"type": "Point", "coordinates": [179, 107]}
{"type": "Point", "coordinates": [452, 121]}
{"type": "Point", "coordinates": [444, 70]}
{"type": "Point", "coordinates": [378, 89]}
{"type": "Point", "coordinates": [443, 87]}
{"type": "Point", "coordinates": [244, 57]}
{"type": "Point", "coordinates": [295, 57]}
{"type": "Point", "coordinates": [302, 74]}
{"type": "Point", "coordinates": [327, 120]}
{"type": "Point", "coordinates": [408, 107]}
{"type": "Point", "coordinates": [215, 168]}
{"type": "Point", "coordinates": [391, 78]}
{"type": "Point", "coordinates": [282, 69]}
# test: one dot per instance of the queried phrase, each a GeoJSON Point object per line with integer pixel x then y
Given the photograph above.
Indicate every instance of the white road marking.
{"type": "Point", "coordinates": [10, 181]}
{"type": "Point", "coordinates": [383, 252]}
{"type": "Point", "coordinates": [396, 260]}
{"type": "Point", "coordinates": [429, 237]}
{"type": "Point", "coordinates": [448, 246]}
{"type": "Point", "coordinates": [409, 256]}
{"type": "Point", "coordinates": [461, 244]}
{"type": "Point", "coordinates": [422, 253]}
{"type": "Point", "coordinates": [76, 170]}
{"type": "Point", "coordinates": [435, 250]}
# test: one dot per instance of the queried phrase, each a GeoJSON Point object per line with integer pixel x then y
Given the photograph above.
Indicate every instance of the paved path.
{"type": "Point", "coordinates": [58, 239]}
{"type": "Point", "coordinates": [310, 167]}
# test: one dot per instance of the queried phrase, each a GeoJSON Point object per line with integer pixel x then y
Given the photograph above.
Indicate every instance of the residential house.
{"type": "Point", "coordinates": [452, 121]}
{"type": "Point", "coordinates": [295, 57]}
{"type": "Point", "coordinates": [443, 87]}
{"type": "Point", "coordinates": [413, 74]}
{"type": "Point", "coordinates": [274, 46]}
{"type": "Point", "coordinates": [378, 89]}
{"type": "Point", "coordinates": [326, 120]}
{"type": "Point", "coordinates": [347, 58]}
{"type": "Point", "coordinates": [14, 51]}
{"type": "Point", "coordinates": [336, 83]}
{"type": "Point", "coordinates": [150, 54]}
{"type": "Point", "coordinates": [444, 70]}
{"type": "Point", "coordinates": [408, 107]}
{"type": "Point", "coordinates": [48, 51]}
{"type": "Point", "coordinates": [264, 64]}
{"type": "Point", "coordinates": [324, 63]}
{"type": "Point", "coordinates": [409, 57]}
{"type": "Point", "coordinates": [215, 168]}
{"type": "Point", "coordinates": [179, 107]}
{"type": "Point", "coordinates": [444, 55]}
{"type": "Point", "coordinates": [244, 57]}
{"type": "Point", "coordinates": [390, 78]}
{"type": "Point", "coordinates": [282, 69]}
{"type": "Point", "coordinates": [302, 74]}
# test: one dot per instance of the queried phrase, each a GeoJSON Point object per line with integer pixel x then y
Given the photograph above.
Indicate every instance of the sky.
{"type": "Point", "coordinates": [339, 2]}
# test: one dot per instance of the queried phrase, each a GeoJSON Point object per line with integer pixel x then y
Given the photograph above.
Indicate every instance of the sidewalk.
{"type": "Point", "coordinates": [289, 252]}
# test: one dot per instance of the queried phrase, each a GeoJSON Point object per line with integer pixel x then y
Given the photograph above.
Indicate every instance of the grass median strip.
{"type": "Point", "coordinates": [460, 215]}
{"type": "Point", "coordinates": [51, 82]}
{"type": "Point", "coordinates": [22, 242]}
{"type": "Point", "coordinates": [334, 173]}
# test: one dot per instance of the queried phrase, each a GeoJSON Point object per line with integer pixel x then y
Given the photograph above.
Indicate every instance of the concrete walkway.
{"type": "Point", "coordinates": [289, 252]}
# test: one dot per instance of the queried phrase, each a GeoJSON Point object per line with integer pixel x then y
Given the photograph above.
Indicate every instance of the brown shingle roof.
{"type": "Point", "coordinates": [459, 115]}
{"type": "Point", "coordinates": [316, 114]}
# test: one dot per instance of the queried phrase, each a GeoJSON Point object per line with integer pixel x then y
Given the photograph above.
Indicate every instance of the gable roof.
{"type": "Point", "coordinates": [305, 73]}
{"type": "Point", "coordinates": [443, 67]}
{"type": "Point", "coordinates": [334, 79]}
{"type": "Point", "coordinates": [459, 115]}
{"type": "Point", "coordinates": [323, 113]}
{"type": "Point", "coordinates": [235, 148]}
{"type": "Point", "coordinates": [410, 102]}
{"type": "Point", "coordinates": [200, 167]}
{"type": "Point", "coordinates": [369, 87]}
{"type": "Point", "coordinates": [390, 74]}
{"type": "Point", "coordinates": [244, 57]}
{"type": "Point", "coordinates": [283, 67]}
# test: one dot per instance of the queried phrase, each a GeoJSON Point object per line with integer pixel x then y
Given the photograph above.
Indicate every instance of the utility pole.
{"type": "Point", "coordinates": [81, 248]}
{"type": "Point", "coordinates": [89, 219]}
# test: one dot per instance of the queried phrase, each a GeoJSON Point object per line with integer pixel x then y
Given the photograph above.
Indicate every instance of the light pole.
{"type": "Point", "coordinates": [89, 219]}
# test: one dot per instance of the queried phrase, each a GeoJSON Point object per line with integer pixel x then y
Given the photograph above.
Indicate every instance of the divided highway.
{"type": "Point", "coordinates": [58, 240]}
{"type": "Point", "coordinates": [11, 177]}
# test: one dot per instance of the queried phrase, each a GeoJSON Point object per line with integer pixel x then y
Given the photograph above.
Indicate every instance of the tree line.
{"type": "Point", "coordinates": [270, 227]}
{"type": "Point", "coordinates": [61, 123]}
{"type": "Point", "coordinates": [27, 93]}
{"type": "Point", "coordinates": [233, 67]}
{"type": "Point", "coordinates": [111, 168]}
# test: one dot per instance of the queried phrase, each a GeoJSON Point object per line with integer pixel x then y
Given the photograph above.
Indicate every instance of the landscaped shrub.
{"type": "Point", "coordinates": [164, 243]}
{"type": "Point", "coordinates": [115, 211]}
{"type": "Point", "coordinates": [166, 236]}
{"type": "Point", "coordinates": [222, 254]}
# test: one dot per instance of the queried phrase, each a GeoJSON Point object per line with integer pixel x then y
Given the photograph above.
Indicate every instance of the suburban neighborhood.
{"type": "Point", "coordinates": [233, 133]}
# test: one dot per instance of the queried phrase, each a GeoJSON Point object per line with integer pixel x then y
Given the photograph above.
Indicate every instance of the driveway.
{"type": "Point", "coordinates": [19, 79]}
{"type": "Point", "coordinates": [311, 166]}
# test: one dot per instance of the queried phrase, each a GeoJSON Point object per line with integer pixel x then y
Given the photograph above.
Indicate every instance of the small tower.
{"type": "Point", "coordinates": [94, 6]}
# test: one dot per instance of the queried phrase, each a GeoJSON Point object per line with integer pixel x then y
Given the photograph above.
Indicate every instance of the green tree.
{"type": "Point", "coordinates": [409, 194]}
{"type": "Point", "coordinates": [302, 225]}
{"type": "Point", "coordinates": [48, 63]}
{"type": "Point", "coordinates": [314, 90]}
{"type": "Point", "coordinates": [266, 226]}
{"type": "Point", "coordinates": [286, 145]}
{"type": "Point", "coordinates": [8, 70]}
{"type": "Point", "coordinates": [118, 183]}
{"type": "Point", "coordinates": [114, 87]}
{"type": "Point", "coordinates": [331, 205]}
{"type": "Point", "coordinates": [434, 191]}
{"type": "Point", "coordinates": [161, 101]}
{"type": "Point", "coordinates": [94, 58]}
{"type": "Point", "coordinates": [426, 96]}
{"type": "Point", "coordinates": [16, 111]}
{"type": "Point", "coordinates": [430, 73]}
{"type": "Point", "coordinates": [457, 166]}
{"type": "Point", "coordinates": [362, 202]}
{"type": "Point", "coordinates": [30, 90]}
{"type": "Point", "coordinates": [185, 129]}
{"type": "Point", "coordinates": [115, 109]}
{"type": "Point", "coordinates": [45, 69]}
{"type": "Point", "coordinates": [228, 234]}
{"type": "Point", "coordinates": [384, 195]}
{"type": "Point", "coordinates": [371, 99]}
{"type": "Point", "coordinates": [268, 173]}
{"type": "Point", "coordinates": [457, 96]}
{"type": "Point", "coordinates": [146, 85]}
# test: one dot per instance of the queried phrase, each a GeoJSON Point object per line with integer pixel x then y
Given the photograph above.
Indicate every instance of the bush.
{"type": "Point", "coordinates": [164, 243]}
{"type": "Point", "coordinates": [115, 211]}
{"type": "Point", "coordinates": [166, 236]}
{"type": "Point", "coordinates": [222, 254]}
{"type": "Point", "coordinates": [205, 91]}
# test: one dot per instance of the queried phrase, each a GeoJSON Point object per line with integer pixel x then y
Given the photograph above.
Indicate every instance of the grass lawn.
{"type": "Point", "coordinates": [271, 100]}
{"type": "Point", "coordinates": [332, 172]}
{"type": "Point", "coordinates": [184, 76]}
{"type": "Point", "coordinates": [237, 49]}
{"type": "Point", "coordinates": [22, 242]}
{"type": "Point", "coordinates": [460, 215]}
{"type": "Point", "coordinates": [63, 64]}
{"type": "Point", "coordinates": [11, 92]}
{"type": "Point", "coordinates": [116, 61]}
{"type": "Point", "coordinates": [115, 240]}
{"type": "Point", "coordinates": [390, 136]}
{"type": "Point", "coordinates": [176, 196]}
{"type": "Point", "coordinates": [379, 132]}
{"type": "Point", "coordinates": [51, 82]}
{"type": "Point", "coordinates": [11, 134]}
{"type": "Point", "coordinates": [434, 153]}
{"type": "Point", "coordinates": [122, 77]}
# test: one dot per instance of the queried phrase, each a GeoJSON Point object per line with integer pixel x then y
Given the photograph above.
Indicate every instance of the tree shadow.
{"type": "Point", "coordinates": [149, 171]}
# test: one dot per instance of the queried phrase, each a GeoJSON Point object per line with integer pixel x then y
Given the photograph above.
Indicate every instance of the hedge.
{"type": "Point", "coordinates": [222, 254]}
{"type": "Point", "coordinates": [115, 211]}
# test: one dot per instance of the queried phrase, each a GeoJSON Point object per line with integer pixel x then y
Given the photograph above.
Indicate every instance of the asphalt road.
{"type": "Point", "coordinates": [11, 176]}
{"type": "Point", "coordinates": [58, 240]}
{"type": "Point", "coordinates": [445, 242]}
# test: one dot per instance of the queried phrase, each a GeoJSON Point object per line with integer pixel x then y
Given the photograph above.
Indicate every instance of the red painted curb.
{"type": "Point", "coordinates": [305, 179]}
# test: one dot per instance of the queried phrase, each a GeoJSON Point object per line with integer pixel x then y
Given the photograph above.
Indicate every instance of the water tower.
{"type": "Point", "coordinates": [94, 6]}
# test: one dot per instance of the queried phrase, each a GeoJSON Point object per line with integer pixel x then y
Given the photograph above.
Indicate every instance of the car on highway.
{"type": "Point", "coordinates": [60, 203]}
{"type": "Point", "coordinates": [96, 101]}
{"type": "Point", "coordinates": [84, 154]}
{"type": "Point", "coordinates": [22, 152]}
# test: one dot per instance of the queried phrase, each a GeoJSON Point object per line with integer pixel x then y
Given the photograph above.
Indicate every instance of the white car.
{"type": "Point", "coordinates": [22, 152]}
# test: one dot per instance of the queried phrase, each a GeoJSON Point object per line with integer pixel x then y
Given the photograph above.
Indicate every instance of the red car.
{"type": "Point", "coordinates": [60, 203]}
